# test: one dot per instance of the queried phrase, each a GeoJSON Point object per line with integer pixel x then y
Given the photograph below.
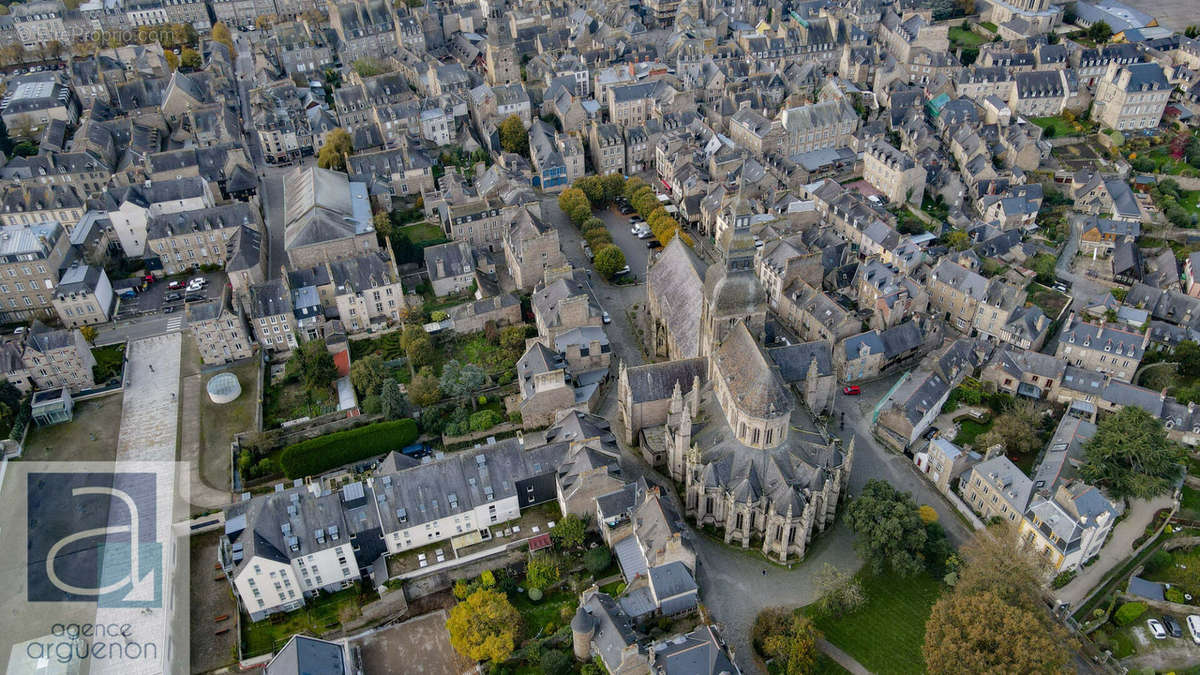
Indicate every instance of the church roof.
{"type": "Point", "coordinates": [751, 379]}
{"type": "Point", "coordinates": [674, 280]}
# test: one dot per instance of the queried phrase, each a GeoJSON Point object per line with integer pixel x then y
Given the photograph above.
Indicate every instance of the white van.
{"type": "Point", "coordinates": [1193, 624]}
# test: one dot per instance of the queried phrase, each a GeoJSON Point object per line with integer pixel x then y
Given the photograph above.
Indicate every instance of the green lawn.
{"type": "Point", "coordinates": [989, 25]}
{"type": "Point", "coordinates": [1190, 501]}
{"type": "Point", "coordinates": [1050, 301]}
{"type": "Point", "coordinates": [961, 37]}
{"type": "Point", "coordinates": [1062, 127]}
{"type": "Point", "coordinates": [320, 616]}
{"type": "Point", "coordinates": [886, 633]}
{"type": "Point", "coordinates": [548, 610]}
{"type": "Point", "coordinates": [108, 362]}
{"type": "Point", "coordinates": [969, 430]}
{"type": "Point", "coordinates": [421, 234]}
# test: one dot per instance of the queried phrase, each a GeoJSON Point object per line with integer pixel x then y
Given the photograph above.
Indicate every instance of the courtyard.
{"type": "Point", "coordinates": [91, 436]}
{"type": "Point", "coordinates": [422, 644]}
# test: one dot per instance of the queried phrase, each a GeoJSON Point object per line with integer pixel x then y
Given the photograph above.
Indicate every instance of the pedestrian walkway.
{"type": "Point", "coordinates": [844, 660]}
{"type": "Point", "coordinates": [150, 411]}
{"type": "Point", "coordinates": [175, 323]}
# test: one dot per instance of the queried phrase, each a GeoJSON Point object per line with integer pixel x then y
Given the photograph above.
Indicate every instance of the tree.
{"type": "Point", "coordinates": [315, 366]}
{"type": "Point", "coordinates": [460, 380]}
{"type": "Point", "coordinates": [597, 560]}
{"type": "Point", "coordinates": [1130, 455]}
{"type": "Point", "coordinates": [1192, 31]}
{"type": "Point", "coordinates": [1100, 32]}
{"type": "Point", "coordinates": [423, 390]}
{"type": "Point", "coordinates": [512, 338]}
{"type": "Point", "coordinates": [418, 346]}
{"type": "Point", "coordinates": [368, 375]}
{"type": "Point", "coordinates": [569, 531]}
{"type": "Point", "coordinates": [190, 59]}
{"type": "Point", "coordinates": [838, 591]}
{"type": "Point", "coordinates": [514, 137]}
{"type": "Point", "coordinates": [890, 531]}
{"type": "Point", "coordinates": [393, 403]}
{"type": "Point", "coordinates": [171, 59]}
{"type": "Point", "coordinates": [485, 626]}
{"type": "Point", "coordinates": [609, 260]}
{"type": "Point", "coordinates": [994, 564]}
{"type": "Point", "coordinates": [795, 649]}
{"type": "Point", "coordinates": [632, 186]}
{"type": "Point", "coordinates": [220, 33]}
{"type": "Point", "coordinates": [1044, 265]}
{"type": "Point", "coordinates": [338, 146]}
{"type": "Point", "coordinates": [383, 225]}
{"type": "Point", "coordinates": [576, 205]}
{"type": "Point", "coordinates": [542, 571]}
{"type": "Point", "coordinates": [555, 662]}
{"type": "Point", "coordinates": [927, 513]}
{"type": "Point", "coordinates": [614, 185]}
{"type": "Point", "coordinates": [89, 334]}
{"type": "Point", "coordinates": [980, 633]}
{"type": "Point", "coordinates": [1015, 429]}
{"type": "Point", "coordinates": [958, 240]}
{"type": "Point", "coordinates": [1187, 353]}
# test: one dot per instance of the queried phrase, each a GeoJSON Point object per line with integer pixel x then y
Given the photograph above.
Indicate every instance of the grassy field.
{"type": "Point", "coordinates": [288, 401]}
{"type": "Point", "coordinates": [90, 437]}
{"type": "Point", "coordinates": [961, 37]}
{"type": "Point", "coordinates": [1050, 301]}
{"type": "Point", "coordinates": [221, 422]}
{"type": "Point", "coordinates": [886, 633]}
{"type": "Point", "coordinates": [1062, 127]}
{"type": "Point", "coordinates": [548, 610]}
{"type": "Point", "coordinates": [969, 430]}
{"type": "Point", "coordinates": [423, 233]}
{"type": "Point", "coordinates": [108, 362]}
{"type": "Point", "coordinates": [325, 614]}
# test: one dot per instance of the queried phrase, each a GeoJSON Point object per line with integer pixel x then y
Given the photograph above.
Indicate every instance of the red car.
{"type": "Point", "coordinates": [852, 390]}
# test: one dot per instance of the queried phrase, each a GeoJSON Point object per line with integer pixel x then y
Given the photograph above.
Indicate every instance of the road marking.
{"type": "Point", "coordinates": [174, 323]}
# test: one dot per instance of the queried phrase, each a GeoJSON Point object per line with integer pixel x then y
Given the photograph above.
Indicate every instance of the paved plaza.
{"type": "Point", "coordinates": [150, 410]}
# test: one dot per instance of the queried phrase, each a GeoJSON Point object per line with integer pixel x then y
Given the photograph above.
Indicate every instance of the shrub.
{"type": "Point", "coordinates": [1128, 613]}
{"type": "Point", "coordinates": [535, 594]}
{"type": "Point", "coordinates": [316, 455]}
{"type": "Point", "coordinates": [484, 420]}
{"type": "Point", "coordinates": [1063, 579]}
{"type": "Point", "coordinates": [1175, 595]}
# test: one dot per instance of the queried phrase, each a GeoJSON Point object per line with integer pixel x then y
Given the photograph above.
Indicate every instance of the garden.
{"type": "Point", "coordinates": [1064, 125]}
{"type": "Point", "coordinates": [320, 616]}
{"type": "Point", "coordinates": [1176, 154]}
{"type": "Point", "coordinates": [110, 359]}
{"type": "Point", "coordinates": [519, 619]}
{"type": "Point", "coordinates": [1022, 426]}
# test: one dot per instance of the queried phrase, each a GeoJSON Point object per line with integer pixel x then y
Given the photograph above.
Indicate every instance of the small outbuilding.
{"type": "Point", "coordinates": [224, 388]}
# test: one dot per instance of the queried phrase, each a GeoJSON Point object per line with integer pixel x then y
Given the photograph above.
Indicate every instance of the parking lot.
{"type": "Point", "coordinates": [153, 299]}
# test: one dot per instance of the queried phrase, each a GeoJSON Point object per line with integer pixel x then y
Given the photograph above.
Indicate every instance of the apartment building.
{"type": "Point", "coordinates": [365, 29]}
{"type": "Point", "coordinates": [557, 158]}
{"type": "Point", "coordinates": [220, 330]}
{"type": "Point", "coordinates": [132, 208]}
{"type": "Point", "coordinates": [956, 292]}
{"type": "Point", "coordinates": [271, 314]}
{"type": "Point", "coordinates": [996, 488]}
{"type": "Point", "coordinates": [894, 173]}
{"type": "Point", "coordinates": [828, 124]}
{"type": "Point", "coordinates": [530, 248]}
{"type": "Point", "coordinates": [1041, 93]}
{"type": "Point", "coordinates": [631, 104]}
{"type": "Point", "coordinates": [1070, 527]}
{"type": "Point", "coordinates": [84, 296]}
{"type": "Point", "coordinates": [1102, 348]}
{"type": "Point", "coordinates": [189, 240]}
{"type": "Point", "coordinates": [30, 258]}
{"type": "Point", "coordinates": [1132, 96]}
{"type": "Point", "coordinates": [367, 290]}
{"type": "Point", "coordinates": [607, 145]}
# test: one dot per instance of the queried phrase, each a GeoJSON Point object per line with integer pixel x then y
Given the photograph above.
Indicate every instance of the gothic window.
{"type": "Point", "coordinates": [738, 526]}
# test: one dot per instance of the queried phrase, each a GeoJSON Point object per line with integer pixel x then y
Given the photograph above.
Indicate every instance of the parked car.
{"type": "Point", "coordinates": [1193, 624]}
{"type": "Point", "coordinates": [417, 451]}
{"type": "Point", "coordinates": [933, 431]}
{"type": "Point", "coordinates": [19, 330]}
{"type": "Point", "coordinates": [851, 390]}
{"type": "Point", "coordinates": [607, 318]}
{"type": "Point", "coordinates": [198, 281]}
{"type": "Point", "coordinates": [645, 234]}
{"type": "Point", "coordinates": [1156, 629]}
{"type": "Point", "coordinates": [195, 297]}
{"type": "Point", "coordinates": [653, 244]}
{"type": "Point", "coordinates": [623, 270]}
{"type": "Point", "coordinates": [175, 285]}
{"type": "Point", "coordinates": [169, 309]}
{"type": "Point", "coordinates": [172, 297]}
{"type": "Point", "coordinates": [626, 210]}
{"type": "Point", "coordinates": [1172, 626]}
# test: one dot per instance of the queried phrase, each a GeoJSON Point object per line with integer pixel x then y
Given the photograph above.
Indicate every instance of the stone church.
{"type": "Point", "coordinates": [725, 425]}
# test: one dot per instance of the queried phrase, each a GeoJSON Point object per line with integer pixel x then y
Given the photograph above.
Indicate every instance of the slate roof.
{"type": "Point", "coordinates": [656, 381]}
{"type": "Point", "coordinates": [303, 655]}
{"type": "Point", "coordinates": [794, 361]}
{"type": "Point", "coordinates": [753, 382]}
{"type": "Point", "coordinates": [675, 281]}
{"type": "Point", "coordinates": [696, 653]}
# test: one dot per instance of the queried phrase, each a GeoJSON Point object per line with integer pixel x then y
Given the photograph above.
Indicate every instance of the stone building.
{"type": "Point", "coordinates": [674, 295]}
{"type": "Point", "coordinates": [1132, 96]}
{"type": "Point", "coordinates": [893, 173]}
{"type": "Point", "coordinates": [84, 296]}
{"type": "Point", "coordinates": [531, 248]}
{"type": "Point", "coordinates": [326, 217]}
{"type": "Point", "coordinates": [220, 329]}
{"type": "Point", "coordinates": [731, 291]}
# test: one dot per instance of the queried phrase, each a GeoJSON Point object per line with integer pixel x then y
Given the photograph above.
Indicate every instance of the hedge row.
{"type": "Point", "coordinates": [320, 454]}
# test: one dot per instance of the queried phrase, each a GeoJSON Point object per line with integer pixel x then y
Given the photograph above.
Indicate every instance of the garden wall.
{"type": "Point", "coordinates": [1160, 605]}
{"type": "Point", "coordinates": [498, 430]}
{"type": "Point", "coordinates": [443, 579]}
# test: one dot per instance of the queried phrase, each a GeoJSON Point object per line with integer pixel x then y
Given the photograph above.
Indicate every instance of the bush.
{"type": "Point", "coordinates": [1063, 579]}
{"type": "Point", "coordinates": [535, 594]}
{"type": "Point", "coordinates": [316, 455]}
{"type": "Point", "coordinates": [1128, 613]}
{"type": "Point", "coordinates": [1175, 595]}
{"type": "Point", "coordinates": [484, 420]}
